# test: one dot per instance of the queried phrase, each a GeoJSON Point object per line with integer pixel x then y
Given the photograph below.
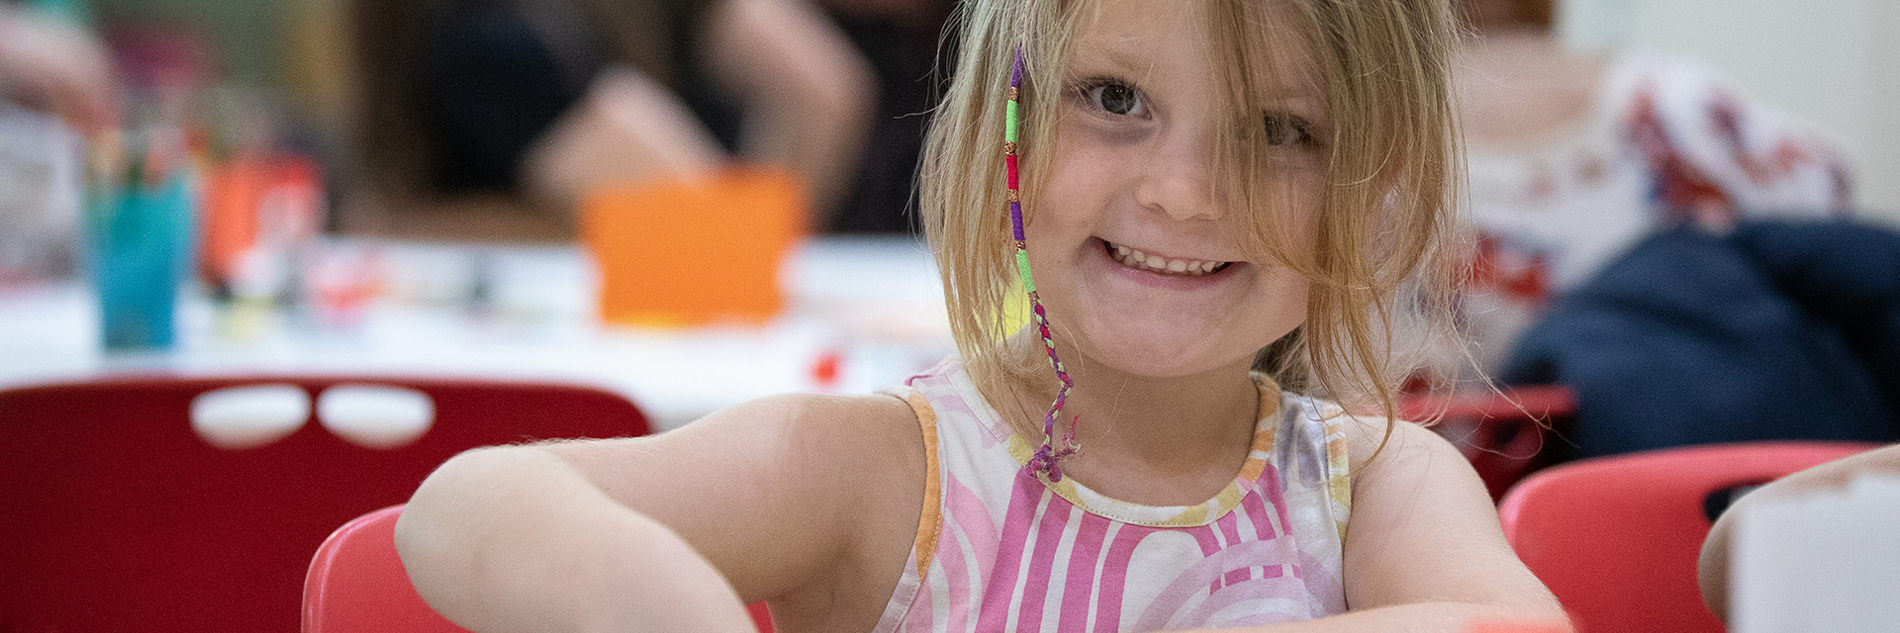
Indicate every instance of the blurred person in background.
{"type": "Point", "coordinates": [1646, 234]}
{"type": "Point", "coordinates": [51, 64]}
{"type": "Point", "coordinates": [535, 102]}
{"type": "Point", "coordinates": [58, 86]}
{"type": "Point", "coordinates": [902, 40]}
{"type": "Point", "coordinates": [1576, 155]}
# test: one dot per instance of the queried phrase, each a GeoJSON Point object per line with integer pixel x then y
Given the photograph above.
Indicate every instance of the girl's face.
{"type": "Point", "coordinates": [1137, 252]}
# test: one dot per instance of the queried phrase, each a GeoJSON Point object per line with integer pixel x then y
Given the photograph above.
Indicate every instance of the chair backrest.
{"type": "Point", "coordinates": [116, 515]}
{"type": "Point", "coordinates": [1616, 538]}
{"type": "Point", "coordinates": [357, 584]}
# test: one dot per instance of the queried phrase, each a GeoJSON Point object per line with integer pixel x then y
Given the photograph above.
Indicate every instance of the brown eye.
{"type": "Point", "coordinates": [1117, 98]}
{"type": "Point", "coordinates": [1283, 128]}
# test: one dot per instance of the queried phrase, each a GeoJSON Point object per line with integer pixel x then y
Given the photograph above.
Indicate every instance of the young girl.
{"type": "Point", "coordinates": [1204, 186]}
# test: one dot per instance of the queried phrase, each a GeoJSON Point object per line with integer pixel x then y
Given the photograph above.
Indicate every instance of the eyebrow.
{"type": "Point", "coordinates": [1119, 59]}
{"type": "Point", "coordinates": [1284, 92]}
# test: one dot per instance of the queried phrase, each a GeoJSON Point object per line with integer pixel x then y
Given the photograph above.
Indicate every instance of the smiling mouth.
{"type": "Point", "coordinates": [1149, 262]}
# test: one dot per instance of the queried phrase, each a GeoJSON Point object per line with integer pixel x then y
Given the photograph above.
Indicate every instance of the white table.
{"type": "Point", "coordinates": [872, 304]}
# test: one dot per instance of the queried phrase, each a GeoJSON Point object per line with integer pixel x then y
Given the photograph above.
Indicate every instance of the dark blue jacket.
{"type": "Point", "coordinates": [1775, 331]}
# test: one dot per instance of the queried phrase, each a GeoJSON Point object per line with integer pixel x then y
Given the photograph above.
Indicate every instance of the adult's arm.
{"type": "Point", "coordinates": [808, 92]}
{"type": "Point", "coordinates": [60, 68]}
{"type": "Point", "coordinates": [1712, 566]}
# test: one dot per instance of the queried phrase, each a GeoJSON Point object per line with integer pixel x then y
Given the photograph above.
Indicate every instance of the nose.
{"type": "Point", "coordinates": [1177, 178]}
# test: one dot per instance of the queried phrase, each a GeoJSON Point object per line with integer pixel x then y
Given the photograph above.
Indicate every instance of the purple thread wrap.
{"type": "Point", "coordinates": [1016, 70]}
{"type": "Point", "coordinates": [1016, 219]}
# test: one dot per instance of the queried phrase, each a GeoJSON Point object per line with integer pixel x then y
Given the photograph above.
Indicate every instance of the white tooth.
{"type": "Point", "coordinates": [1194, 266]}
{"type": "Point", "coordinates": [1156, 262]}
{"type": "Point", "coordinates": [1135, 256]}
{"type": "Point", "coordinates": [1177, 266]}
{"type": "Point", "coordinates": [1121, 252]}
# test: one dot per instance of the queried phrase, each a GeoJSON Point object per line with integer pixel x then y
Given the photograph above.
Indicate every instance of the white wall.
{"type": "Point", "coordinates": [1835, 63]}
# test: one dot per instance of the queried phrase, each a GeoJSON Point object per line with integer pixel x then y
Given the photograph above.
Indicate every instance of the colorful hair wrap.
{"type": "Point", "coordinates": [1045, 461]}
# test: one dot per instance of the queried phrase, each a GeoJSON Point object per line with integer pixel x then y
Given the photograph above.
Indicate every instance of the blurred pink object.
{"type": "Point", "coordinates": [340, 281]}
{"type": "Point", "coordinates": [161, 58]}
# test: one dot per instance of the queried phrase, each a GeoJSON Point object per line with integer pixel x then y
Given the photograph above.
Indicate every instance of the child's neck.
{"type": "Point", "coordinates": [1155, 441]}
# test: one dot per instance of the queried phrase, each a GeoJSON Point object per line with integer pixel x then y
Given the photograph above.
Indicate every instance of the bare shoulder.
{"type": "Point", "coordinates": [1375, 443]}
{"type": "Point", "coordinates": [873, 414]}
{"type": "Point", "coordinates": [839, 430]}
{"type": "Point", "coordinates": [1403, 470]}
{"type": "Point", "coordinates": [1423, 527]}
{"type": "Point", "coordinates": [818, 443]}
{"type": "Point", "coordinates": [864, 464]}
{"type": "Point", "coordinates": [792, 428]}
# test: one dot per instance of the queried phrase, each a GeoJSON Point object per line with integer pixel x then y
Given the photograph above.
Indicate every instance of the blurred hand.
{"type": "Point", "coordinates": [627, 130]}
{"type": "Point", "coordinates": [49, 65]}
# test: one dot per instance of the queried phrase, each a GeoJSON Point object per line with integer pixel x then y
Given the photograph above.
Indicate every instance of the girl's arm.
{"type": "Point", "coordinates": [673, 532]}
{"type": "Point", "coordinates": [1424, 551]}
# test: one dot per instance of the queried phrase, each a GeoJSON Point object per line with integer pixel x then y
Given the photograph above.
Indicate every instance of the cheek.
{"type": "Point", "coordinates": [1080, 179]}
{"type": "Point", "coordinates": [1285, 289]}
{"type": "Point", "coordinates": [1287, 217]}
{"type": "Point", "coordinates": [1285, 298]}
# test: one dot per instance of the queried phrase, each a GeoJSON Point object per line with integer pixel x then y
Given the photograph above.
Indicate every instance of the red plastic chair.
{"type": "Point", "coordinates": [115, 515]}
{"type": "Point", "coordinates": [357, 584]}
{"type": "Point", "coordinates": [1616, 538]}
{"type": "Point", "coordinates": [1502, 434]}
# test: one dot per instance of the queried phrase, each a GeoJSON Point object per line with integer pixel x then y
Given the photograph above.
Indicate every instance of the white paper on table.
{"type": "Point", "coordinates": [41, 192]}
{"type": "Point", "coordinates": [1827, 562]}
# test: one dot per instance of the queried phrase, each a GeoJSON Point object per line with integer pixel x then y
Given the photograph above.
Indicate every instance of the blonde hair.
{"type": "Point", "coordinates": [1386, 211]}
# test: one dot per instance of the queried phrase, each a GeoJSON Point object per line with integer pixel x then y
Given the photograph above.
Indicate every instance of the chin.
{"type": "Point", "coordinates": [1161, 357]}
{"type": "Point", "coordinates": [1155, 344]}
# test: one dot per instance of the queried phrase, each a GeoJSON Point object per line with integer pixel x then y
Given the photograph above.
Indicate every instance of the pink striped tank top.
{"type": "Point", "coordinates": [1001, 550]}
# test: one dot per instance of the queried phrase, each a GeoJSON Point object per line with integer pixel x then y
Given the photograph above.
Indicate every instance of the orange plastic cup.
{"type": "Point", "coordinates": [682, 254]}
